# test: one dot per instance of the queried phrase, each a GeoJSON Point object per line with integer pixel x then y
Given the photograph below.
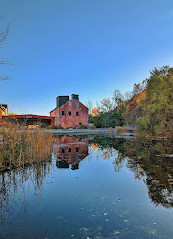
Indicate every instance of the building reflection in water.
{"type": "Point", "coordinates": [70, 150]}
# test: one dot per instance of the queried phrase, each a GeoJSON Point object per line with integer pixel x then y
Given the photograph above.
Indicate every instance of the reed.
{"type": "Point", "coordinates": [20, 147]}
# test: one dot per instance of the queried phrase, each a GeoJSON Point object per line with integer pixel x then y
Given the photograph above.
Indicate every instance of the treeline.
{"type": "Point", "coordinates": [149, 107]}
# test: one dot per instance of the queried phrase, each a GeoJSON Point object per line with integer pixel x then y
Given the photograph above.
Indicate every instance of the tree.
{"type": "Point", "coordinates": [137, 89]}
{"type": "Point", "coordinates": [3, 36]}
{"type": "Point", "coordinates": [95, 111]}
{"type": "Point", "coordinates": [134, 108]}
{"type": "Point", "coordinates": [117, 98]}
{"type": "Point", "coordinates": [106, 105]}
{"type": "Point", "coordinates": [157, 109]}
{"type": "Point", "coordinates": [89, 106]}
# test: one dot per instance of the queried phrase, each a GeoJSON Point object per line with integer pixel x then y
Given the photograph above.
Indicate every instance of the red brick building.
{"type": "Point", "coordinates": [70, 113]}
{"type": "Point", "coordinates": [70, 151]}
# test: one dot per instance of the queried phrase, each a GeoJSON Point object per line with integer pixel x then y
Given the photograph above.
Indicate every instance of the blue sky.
{"type": "Point", "coordinates": [88, 47]}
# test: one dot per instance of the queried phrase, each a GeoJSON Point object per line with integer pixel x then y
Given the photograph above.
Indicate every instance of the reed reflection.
{"type": "Point", "coordinates": [16, 184]}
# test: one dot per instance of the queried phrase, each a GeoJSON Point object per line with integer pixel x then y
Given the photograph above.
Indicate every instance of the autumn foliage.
{"type": "Point", "coordinates": [148, 108]}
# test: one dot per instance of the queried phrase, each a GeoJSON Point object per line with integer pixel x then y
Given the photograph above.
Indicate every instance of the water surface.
{"type": "Point", "coordinates": [94, 187]}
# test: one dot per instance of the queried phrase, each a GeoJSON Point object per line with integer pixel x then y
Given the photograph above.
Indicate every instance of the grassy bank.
{"type": "Point", "coordinates": [20, 147]}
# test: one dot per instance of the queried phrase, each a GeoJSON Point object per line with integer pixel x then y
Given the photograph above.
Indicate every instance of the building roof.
{"type": "Point", "coordinates": [27, 116]}
{"type": "Point", "coordinates": [65, 103]}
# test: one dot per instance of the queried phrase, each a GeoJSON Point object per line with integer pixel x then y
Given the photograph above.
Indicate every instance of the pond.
{"type": "Point", "coordinates": [93, 188]}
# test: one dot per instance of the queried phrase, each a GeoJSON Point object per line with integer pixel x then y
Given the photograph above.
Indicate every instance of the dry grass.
{"type": "Point", "coordinates": [20, 146]}
{"type": "Point", "coordinates": [121, 129]}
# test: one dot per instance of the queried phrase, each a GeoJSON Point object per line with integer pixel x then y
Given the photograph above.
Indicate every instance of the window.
{"type": "Point", "coordinates": [77, 113]}
{"type": "Point", "coordinates": [63, 112]}
{"type": "Point", "coordinates": [69, 112]}
{"type": "Point", "coordinates": [63, 151]}
{"type": "Point", "coordinates": [69, 150]}
{"type": "Point", "coordinates": [77, 150]}
{"type": "Point", "coordinates": [77, 104]}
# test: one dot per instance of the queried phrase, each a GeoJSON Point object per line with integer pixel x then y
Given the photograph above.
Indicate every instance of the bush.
{"type": "Point", "coordinates": [121, 128]}
{"type": "Point", "coordinates": [83, 127]}
{"type": "Point", "coordinates": [53, 127]}
{"type": "Point", "coordinates": [142, 124]}
{"type": "Point", "coordinates": [92, 127]}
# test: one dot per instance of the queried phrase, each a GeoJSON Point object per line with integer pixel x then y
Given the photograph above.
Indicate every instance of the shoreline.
{"type": "Point", "coordinates": [111, 132]}
{"type": "Point", "coordinates": [102, 131]}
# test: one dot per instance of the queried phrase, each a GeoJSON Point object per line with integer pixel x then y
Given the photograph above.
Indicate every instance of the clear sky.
{"type": "Point", "coordinates": [87, 47]}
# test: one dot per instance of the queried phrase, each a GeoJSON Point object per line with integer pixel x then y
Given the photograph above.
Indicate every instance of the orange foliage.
{"type": "Point", "coordinates": [95, 111]}
{"type": "Point", "coordinates": [136, 100]}
{"type": "Point", "coordinates": [133, 107]}
{"type": "Point", "coordinates": [95, 146]}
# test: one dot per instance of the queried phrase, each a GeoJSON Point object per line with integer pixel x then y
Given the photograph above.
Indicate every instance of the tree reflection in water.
{"type": "Point", "coordinates": [148, 160]}
{"type": "Point", "coordinates": [15, 184]}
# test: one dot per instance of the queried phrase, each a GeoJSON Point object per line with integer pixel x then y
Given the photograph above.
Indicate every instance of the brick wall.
{"type": "Point", "coordinates": [72, 120]}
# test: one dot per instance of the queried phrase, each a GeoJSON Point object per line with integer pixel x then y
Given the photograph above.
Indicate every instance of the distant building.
{"type": "Point", "coordinates": [70, 113]}
{"type": "Point", "coordinates": [29, 119]}
{"type": "Point", "coordinates": [3, 111]}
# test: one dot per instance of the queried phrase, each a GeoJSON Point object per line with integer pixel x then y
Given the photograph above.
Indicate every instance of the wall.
{"type": "Point", "coordinates": [72, 120]}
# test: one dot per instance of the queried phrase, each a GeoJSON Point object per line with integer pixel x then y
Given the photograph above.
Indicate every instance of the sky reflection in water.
{"type": "Point", "coordinates": [94, 188]}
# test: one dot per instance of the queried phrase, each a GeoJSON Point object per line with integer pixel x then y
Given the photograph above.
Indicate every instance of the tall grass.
{"type": "Point", "coordinates": [20, 146]}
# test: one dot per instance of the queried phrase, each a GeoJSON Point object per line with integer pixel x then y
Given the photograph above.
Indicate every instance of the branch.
{"type": "Point", "coordinates": [6, 62]}
{"type": "Point", "coordinates": [4, 78]}
{"type": "Point", "coordinates": [4, 34]}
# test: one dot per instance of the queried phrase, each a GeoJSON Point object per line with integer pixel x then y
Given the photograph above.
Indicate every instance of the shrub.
{"type": "Point", "coordinates": [92, 127]}
{"type": "Point", "coordinates": [53, 127]}
{"type": "Point", "coordinates": [121, 129]}
{"type": "Point", "coordinates": [83, 126]}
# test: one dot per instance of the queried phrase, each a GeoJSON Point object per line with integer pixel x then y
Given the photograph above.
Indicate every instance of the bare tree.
{"type": "Point", "coordinates": [128, 95]}
{"type": "Point", "coordinates": [117, 98]}
{"type": "Point", "coordinates": [106, 105]}
{"type": "Point", "coordinates": [89, 106]}
{"type": "Point", "coordinates": [3, 36]}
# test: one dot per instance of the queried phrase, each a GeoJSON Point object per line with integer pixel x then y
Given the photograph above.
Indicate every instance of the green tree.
{"type": "Point", "coordinates": [157, 109]}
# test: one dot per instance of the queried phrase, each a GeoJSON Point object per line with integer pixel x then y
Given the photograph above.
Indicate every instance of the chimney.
{"type": "Point", "coordinates": [61, 100]}
{"type": "Point", "coordinates": [74, 97]}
